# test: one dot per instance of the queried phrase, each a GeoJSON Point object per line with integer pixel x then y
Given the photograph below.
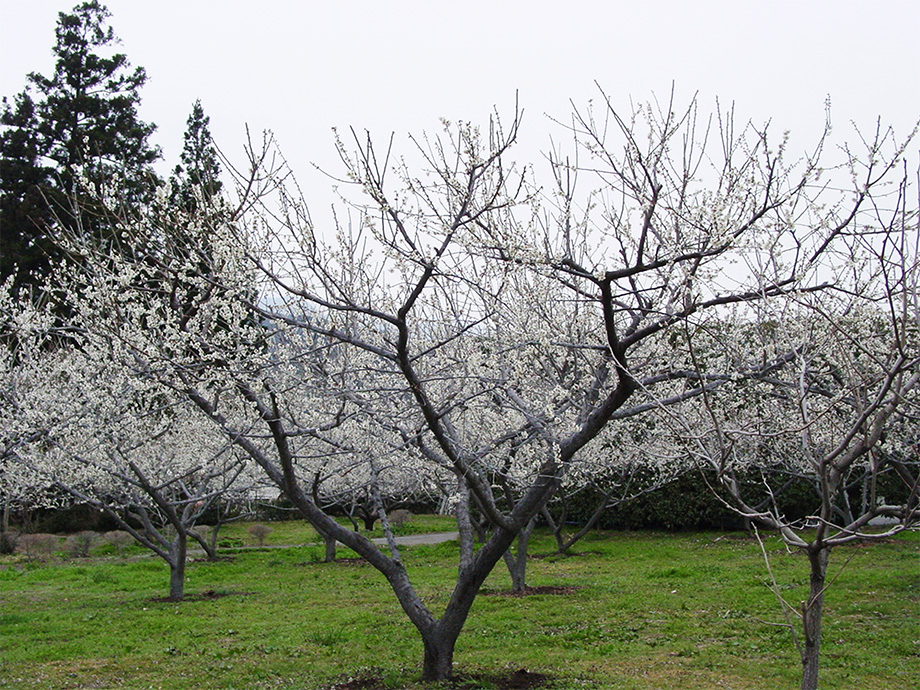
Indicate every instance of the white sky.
{"type": "Point", "coordinates": [302, 67]}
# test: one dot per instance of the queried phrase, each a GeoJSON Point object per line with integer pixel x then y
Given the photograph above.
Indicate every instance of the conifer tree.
{"type": "Point", "coordinates": [196, 204]}
{"type": "Point", "coordinates": [197, 178]}
{"type": "Point", "coordinates": [77, 155]}
{"type": "Point", "coordinates": [24, 248]}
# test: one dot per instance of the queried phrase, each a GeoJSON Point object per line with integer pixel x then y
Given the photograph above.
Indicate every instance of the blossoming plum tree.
{"type": "Point", "coordinates": [25, 330]}
{"type": "Point", "coordinates": [841, 414]}
{"type": "Point", "coordinates": [79, 427]}
{"type": "Point", "coordinates": [461, 322]}
{"type": "Point", "coordinates": [126, 450]}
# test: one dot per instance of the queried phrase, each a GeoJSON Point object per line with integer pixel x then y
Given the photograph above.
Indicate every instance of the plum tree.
{"type": "Point", "coordinates": [462, 323]}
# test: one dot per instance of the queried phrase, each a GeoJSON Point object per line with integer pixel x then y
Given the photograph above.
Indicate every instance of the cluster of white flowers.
{"type": "Point", "coordinates": [466, 325]}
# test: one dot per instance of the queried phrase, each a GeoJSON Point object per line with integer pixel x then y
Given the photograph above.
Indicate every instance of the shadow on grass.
{"type": "Point", "coordinates": [206, 595]}
{"type": "Point", "coordinates": [520, 679]}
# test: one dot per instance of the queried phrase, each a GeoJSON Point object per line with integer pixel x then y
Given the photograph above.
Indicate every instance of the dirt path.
{"type": "Point", "coordinates": [419, 539]}
{"type": "Point", "coordinates": [405, 540]}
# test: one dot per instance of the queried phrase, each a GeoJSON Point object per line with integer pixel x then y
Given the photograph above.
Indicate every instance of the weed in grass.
{"type": "Point", "coordinates": [12, 619]}
{"type": "Point", "coordinates": [101, 577]}
{"type": "Point", "coordinates": [331, 637]}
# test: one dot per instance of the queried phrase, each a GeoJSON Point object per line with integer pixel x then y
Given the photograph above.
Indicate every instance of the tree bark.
{"type": "Point", "coordinates": [213, 537]}
{"type": "Point", "coordinates": [517, 562]}
{"type": "Point", "coordinates": [206, 543]}
{"type": "Point", "coordinates": [177, 567]}
{"type": "Point", "coordinates": [811, 617]}
{"type": "Point", "coordinates": [465, 525]}
{"type": "Point", "coordinates": [330, 554]}
{"type": "Point", "coordinates": [438, 664]}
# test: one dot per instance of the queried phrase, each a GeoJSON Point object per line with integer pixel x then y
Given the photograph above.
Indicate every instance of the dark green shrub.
{"type": "Point", "coordinates": [75, 518]}
{"type": "Point", "coordinates": [689, 502]}
{"type": "Point", "coordinates": [686, 503]}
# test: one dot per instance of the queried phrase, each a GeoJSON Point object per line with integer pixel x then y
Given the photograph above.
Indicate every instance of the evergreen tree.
{"type": "Point", "coordinates": [196, 204]}
{"type": "Point", "coordinates": [79, 151]}
{"type": "Point", "coordinates": [182, 238]}
{"type": "Point", "coordinates": [24, 214]}
{"type": "Point", "coordinates": [197, 178]}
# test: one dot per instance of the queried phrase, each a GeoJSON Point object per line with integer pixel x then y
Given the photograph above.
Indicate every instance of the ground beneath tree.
{"type": "Point", "coordinates": [216, 559]}
{"type": "Point", "coordinates": [206, 595]}
{"type": "Point", "coordinates": [531, 591]}
{"type": "Point", "coordinates": [521, 679]}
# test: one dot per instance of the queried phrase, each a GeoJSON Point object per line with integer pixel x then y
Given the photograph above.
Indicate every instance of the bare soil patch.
{"type": "Point", "coordinates": [522, 679]}
{"type": "Point", "coordinates": [366, 683]}
{"type": "Point", "coordinates": [217, 559]}
{"type": "Point", "coordinates": [519, 679]}
{"type": "Point", "coordinates": [337, 561]}
{"type": "Point", "coordinates": [206, 595]}
{"type": "Point", "coordinates": [531, 591]}
{"type": "Point", "coordinates": [567, 554]}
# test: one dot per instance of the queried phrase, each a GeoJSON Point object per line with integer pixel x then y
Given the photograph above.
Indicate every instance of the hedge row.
{"type": "Point", "coordinates": [691, 503]}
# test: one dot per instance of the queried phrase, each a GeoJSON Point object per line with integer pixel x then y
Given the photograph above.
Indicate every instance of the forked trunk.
{"type": "Point", "coordinates": [212, 537]}
{"type": "Point", "coordinates": [556, 527]}
{"type": "Point", "coordinates": [439, 656]}
{"type": "Point", "coordinates": [517, 569]}
{"type": "Point", "coordinates": [517, 561]}
{"type": "Point", "coordinates": [439, 637]}
{"type": "Point", "coordinates": [811, 618]}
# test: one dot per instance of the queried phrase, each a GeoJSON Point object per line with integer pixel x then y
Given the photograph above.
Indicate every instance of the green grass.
{"type": "Point", "coordinates": [647, 610]}
{"type": "Point", "coordinates": [298, 532]}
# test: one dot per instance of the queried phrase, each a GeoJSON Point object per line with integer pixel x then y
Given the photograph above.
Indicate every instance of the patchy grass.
{"type": "Point", "coordinates": [288, 532]}
{"type": "Point", "coordinates": [630, 611]}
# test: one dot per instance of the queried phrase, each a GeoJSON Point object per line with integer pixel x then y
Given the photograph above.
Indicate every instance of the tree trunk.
{"type": "Point", "coordinates": [556, 527]}
{"type": "Point", "coordinates": [439, 655]}
{"type": "Point", "coordinates": [213, 537]}
{"type": "Point", "coordinates": [205, 543]}
{"type": "Point", "coordinates": [329, 556]}
{"type": "Point", "coordinates": [517, 562]}
{"type": "Point", "coordinates": [811, 617]}
{"type": "Point", "coordinates": [517, 569]}
{"type": "Point", "coordinates": [177, 567]}
{"type": "Point", "coordinates": [439, 637]}
{"type": "Point", "coordinates": [330, 544]}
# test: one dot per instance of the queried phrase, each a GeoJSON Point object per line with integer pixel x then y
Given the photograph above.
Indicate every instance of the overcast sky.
{"type": "Point", "coordinates": [301, 67]}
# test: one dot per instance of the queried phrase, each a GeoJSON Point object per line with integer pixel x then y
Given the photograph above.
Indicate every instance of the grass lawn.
{"type": "Point", "coordinates": [637, 610]}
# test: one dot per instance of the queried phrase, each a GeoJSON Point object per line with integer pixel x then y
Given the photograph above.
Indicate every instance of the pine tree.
{"type": "Point", "coordinates": [25, 250]}
{"type": "Point", "coordinates": [197, 178]}
{"type": "Point", "coordinates": [196, 204]}
{"type": "Point", "coordinates": [196, 211]}
{"type": "Point", "coordinates": [88, 118]}
{"type": "Point", "coordinates": [79, 151]}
